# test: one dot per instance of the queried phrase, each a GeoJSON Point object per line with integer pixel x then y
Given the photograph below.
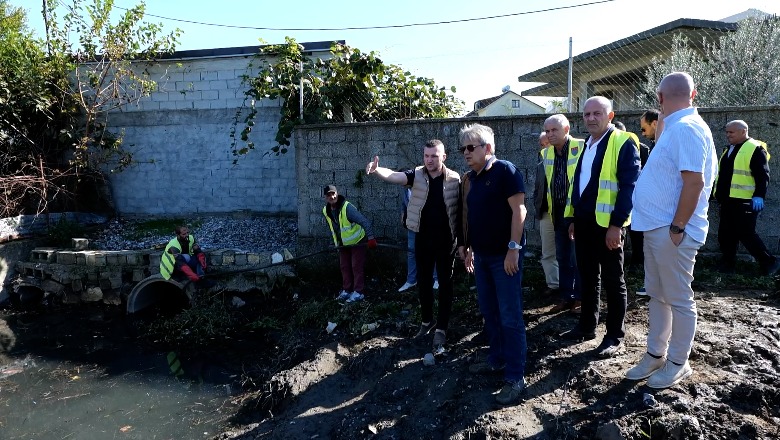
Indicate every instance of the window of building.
{"type": "Point", "coordinates": [515, 103]}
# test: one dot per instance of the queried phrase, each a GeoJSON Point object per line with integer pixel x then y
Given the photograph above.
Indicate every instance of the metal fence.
{"type": "Point", "coordinates": [732, 63]}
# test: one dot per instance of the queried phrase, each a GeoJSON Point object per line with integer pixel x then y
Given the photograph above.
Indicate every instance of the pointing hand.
{"type": "Point", "coordinates": [372, 166]}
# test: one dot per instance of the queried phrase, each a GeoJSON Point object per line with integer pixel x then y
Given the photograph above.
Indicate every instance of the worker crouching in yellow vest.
{"type": "Point", "coordinates": [183, 255]}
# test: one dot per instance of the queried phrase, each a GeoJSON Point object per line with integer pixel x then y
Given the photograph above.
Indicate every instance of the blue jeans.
{"type": "Point", "coordinates": [411, 261]}
{"type": "Point", "coordinates": [568, 275]}
{"type": "Point", "coordinates": [500, 298]}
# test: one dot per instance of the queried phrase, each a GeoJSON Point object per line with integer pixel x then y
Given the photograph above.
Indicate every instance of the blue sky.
{"type": "Point", "coordinates": [477, 57]}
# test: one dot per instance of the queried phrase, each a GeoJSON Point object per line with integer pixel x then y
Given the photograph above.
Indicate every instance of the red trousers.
{"type": "Point", "coordinates": [352, 260]}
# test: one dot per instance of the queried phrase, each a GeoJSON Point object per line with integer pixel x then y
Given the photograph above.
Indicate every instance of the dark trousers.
{"type": "Point", "coordinates": [352, 261]}
{"type": "Point", "coordinates": [568, 276]}
{"type": "Point", "coordinates": [435, 251]}
{"type": "Point", "coordinates": [738, 224]}
{"type": "Point", "coordinates": [637, 247]}
{"type": "Point", "coordinates": [600, 266]}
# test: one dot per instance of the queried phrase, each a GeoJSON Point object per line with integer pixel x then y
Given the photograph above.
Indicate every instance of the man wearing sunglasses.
{"type": "Point", "coordinates": [494, 218]}
{"type": "Point", "coordinates": [598, 213]}
{"type": "Point", "coordinates": [433, 214]}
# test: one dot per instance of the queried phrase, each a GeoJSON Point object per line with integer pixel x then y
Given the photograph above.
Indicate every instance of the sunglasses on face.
{"type": "Point", "coordinates": [470, 147]}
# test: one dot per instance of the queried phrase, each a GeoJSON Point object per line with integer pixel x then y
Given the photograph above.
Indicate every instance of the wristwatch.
{"type": "Point", "coordinates": [674, 229]}
{"type": "Point", "coordinates": [514, 246]}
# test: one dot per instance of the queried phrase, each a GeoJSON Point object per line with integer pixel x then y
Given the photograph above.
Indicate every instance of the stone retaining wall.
{"type": "Point", "coordinates": [94, 275]}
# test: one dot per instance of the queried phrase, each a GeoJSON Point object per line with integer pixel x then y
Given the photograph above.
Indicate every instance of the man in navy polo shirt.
{"type": "Point", "coordinates": [494, 217]}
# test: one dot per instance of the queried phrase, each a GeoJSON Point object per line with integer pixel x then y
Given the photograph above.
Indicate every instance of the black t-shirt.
{"type": "Point", "coordinates": [433, 219]}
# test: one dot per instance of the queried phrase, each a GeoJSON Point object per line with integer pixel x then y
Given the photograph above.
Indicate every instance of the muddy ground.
{"type": "Point", "coordinates": [296, 381]}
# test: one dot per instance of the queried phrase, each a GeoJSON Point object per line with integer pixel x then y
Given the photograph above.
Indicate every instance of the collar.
{"type": "Point", "coordinates": [679, 114]}
{"type": "Point", "coordinates": [591, 143]}
{"type": "Point", "coordinates": [488, 165]}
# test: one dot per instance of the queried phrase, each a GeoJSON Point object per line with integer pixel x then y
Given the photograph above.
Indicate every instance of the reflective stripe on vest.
{"type": "Point", "coordinates": [743, 185]}
{"type": "Point", "coordinates": [351, 233]}
{"type": "Point", "coordinates": [608, 182]}
{"type": "Point", "coordinates": [571, 166]}
{"type": "Point", "coordinates": [168, 260]}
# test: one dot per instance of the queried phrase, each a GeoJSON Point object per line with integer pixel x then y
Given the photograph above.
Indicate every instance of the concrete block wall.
{"type": "Point", "coordinates": [338, 153]}
{"type": "Point", "coordinates": [180, 141]}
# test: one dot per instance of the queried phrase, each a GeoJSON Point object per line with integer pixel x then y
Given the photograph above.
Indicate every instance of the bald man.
{"type": "Point", "coordinates": [670, 207]}
{"type": "Point", "coordinates": [598, 213]}
{"type": "Point", "coordinates": [740, 189]}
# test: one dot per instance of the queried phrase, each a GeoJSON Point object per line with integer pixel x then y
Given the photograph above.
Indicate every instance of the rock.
{"type": "Point", "coordinates": [429, 360]}
{"type": "Point", "coordinates": [238, 302]}
{"type": "Point", "coordinates": [609, 431]}
{"type": "Point", "coordinates": [79, 244]}
{"type": "Point", "coordinates": [92, 294]}
{"type": "Point", "coordinates": [52, 286]}
{"type": "Point", "coordinates": [112, 299]}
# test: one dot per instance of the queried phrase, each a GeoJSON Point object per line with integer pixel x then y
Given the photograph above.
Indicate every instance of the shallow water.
{"type": "Point", "coordinates": [82, 377]}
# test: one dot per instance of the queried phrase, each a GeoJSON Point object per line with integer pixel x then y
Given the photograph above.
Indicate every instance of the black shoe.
{"type": "Point", "coordinates": [576, 334]}
{"type": "Point", "coordinates": [608, 348]}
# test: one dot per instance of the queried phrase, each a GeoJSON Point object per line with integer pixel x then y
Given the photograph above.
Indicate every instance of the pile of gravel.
{"type": "Point", "coordinates": [255, 234]}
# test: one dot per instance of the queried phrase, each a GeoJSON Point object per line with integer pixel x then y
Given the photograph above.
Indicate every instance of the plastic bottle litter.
{"type": "Point", "coordinates": [330, 327]}
{"type": "Point", "coordinates": [276, 257]}
{"type": "Point", "coordinates": [649, 400]}
{"type": "Point", "coordinates": [429, 360]}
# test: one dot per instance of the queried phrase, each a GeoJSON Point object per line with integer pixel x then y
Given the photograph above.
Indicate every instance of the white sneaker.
{"type": "Point", "coordinates": [354, 297]}
{"type": "Point", "coordinates": [343, 295]}
{"type": "Point", "coordinates": [436, 285]}
{"type": "Point", "coordinates": [669, 375]}
{"type": "Point", "coordinates": [406, 287]}
{"type": "Point", "coordinates": [647, 366]}
{"type": "Point", "coordinates": [641, 291]}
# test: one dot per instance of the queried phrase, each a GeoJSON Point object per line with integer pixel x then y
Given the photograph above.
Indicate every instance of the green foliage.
{"type": "Point", "coordinates": [740, 68]}
{"type": "Point", "coordinates": [163, 226]}
{"type": "Point", "coordinates": [206, 323]}
{"type": "Point", "coordinates": [350, 86]}
{"type": "Point", "coordinates": [60, 234]}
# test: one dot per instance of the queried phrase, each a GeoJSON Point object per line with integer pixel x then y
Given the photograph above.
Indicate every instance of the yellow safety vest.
{"type": "Point", "coordinates": [576, 146]}
{"type": "Point", "coordinates": [743, 184]}
{"type": "Point", "coordinates": [168, 260]}
{"type": "Point", "coordinates": [351, 233]}
{"type": "Point", "coordinates": [608, 182]}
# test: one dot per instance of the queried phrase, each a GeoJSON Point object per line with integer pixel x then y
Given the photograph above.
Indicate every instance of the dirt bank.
{"type": "Point", "coordinates": [376, 386]}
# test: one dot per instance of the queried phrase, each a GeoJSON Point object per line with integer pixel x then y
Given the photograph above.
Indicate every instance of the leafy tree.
{"type": "Point", "coordinates": [55, 97]}
{"type": "Point", "coordinates": [105, 61]}
{"type": "Point", "coordinates": [349, 86]}
{"type": "Point", "coordinates": [33, 112]}
{"type": "Point", "coordinates": [739, 68]}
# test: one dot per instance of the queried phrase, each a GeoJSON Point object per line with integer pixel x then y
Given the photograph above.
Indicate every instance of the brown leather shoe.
{"type": "Point", "coordinates": [576, 307]}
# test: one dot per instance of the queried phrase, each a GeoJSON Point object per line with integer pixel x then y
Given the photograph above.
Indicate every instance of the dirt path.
{"type": "Point", "coordinates": [377, 386]}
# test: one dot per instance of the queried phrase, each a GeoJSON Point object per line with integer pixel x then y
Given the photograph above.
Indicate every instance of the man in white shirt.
{"type": "Point", "coordinates": [670, 206]}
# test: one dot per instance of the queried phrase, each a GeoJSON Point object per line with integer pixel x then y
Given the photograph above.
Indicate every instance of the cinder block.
{"type": "Point", "coordinates": [228, 257]}
{"type": "Point", "coordinates": [240, 259]}
{"type": "Point", "coordinates": [77, 285]}
{"type": "Point", "coordinates": [66, 257]}
{"type": "Point", "coordinates": [81, 259]}
{"type": "Point", "coordinates": [252, 258]}
{"type": "Point", "coordinates": [133, 259]}
{"type": "Point", "coordinates": [138, 275]}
